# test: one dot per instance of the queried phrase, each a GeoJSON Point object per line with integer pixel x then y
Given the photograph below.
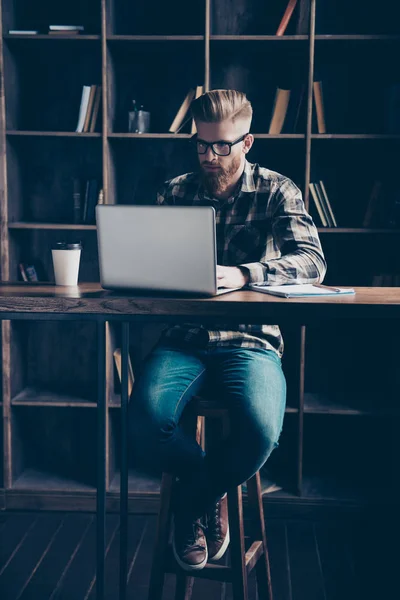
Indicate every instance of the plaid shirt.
{"type": "Point", "coordinates": [263, 228]}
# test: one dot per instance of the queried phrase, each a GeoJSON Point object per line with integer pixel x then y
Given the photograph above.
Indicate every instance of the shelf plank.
{"type": "Point", "coordinates": [177, 136]}
{"type": "Point", "coordinates": [72, 134]}
{"type": "Point", "coordinates": [71, 226]}
{"type": "Point", "coordinates": [36, 397]}
{"type": "Point", "coordinates": [281, 136]}
{"type": "Point", "coordinates": [321, 489]}
{"type": "Point", "coordinates": [125, 135]}
{"type": "Point", "coordinates": [155, 38]}
{"type": "Point", "coordinates": [356, 230]}
{"type": "Point", "coordinates": [137, 482]}
{"type": "Point", "coordinates": [354, 136]}
{"type": "Point", "coordinates": [348, 404]}
{"type": "Point", "coordinates": [235, 38]}
{"type": "Point", "coordinates": [37, 480]}
{"type": "Point", "coordinates": [259, 38]}
{"type": "Point", "coordinates": [357, 37]}
{"type": "Point", "coordinates": [46, 36]}
{"type": "Point", "coordinates": [333, 488]}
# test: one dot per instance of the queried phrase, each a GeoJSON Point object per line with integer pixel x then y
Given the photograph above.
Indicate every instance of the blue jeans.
{"type": "Point", "coordinates": [251, 383]}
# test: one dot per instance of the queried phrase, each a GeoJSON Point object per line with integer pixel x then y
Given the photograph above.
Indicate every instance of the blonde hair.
{"type": "Point", "coordinates": [220, 105]}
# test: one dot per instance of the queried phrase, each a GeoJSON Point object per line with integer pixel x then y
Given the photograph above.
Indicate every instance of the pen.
{"type": "Point", "coordinates": [327, 287]}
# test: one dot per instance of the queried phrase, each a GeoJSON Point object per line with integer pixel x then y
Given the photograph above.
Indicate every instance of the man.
{"type": "Point", "coordinates": [264, 235]}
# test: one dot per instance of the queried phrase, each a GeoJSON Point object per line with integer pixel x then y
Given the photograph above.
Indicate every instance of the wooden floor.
{"type": "Point", "coordinates": [47, 556]}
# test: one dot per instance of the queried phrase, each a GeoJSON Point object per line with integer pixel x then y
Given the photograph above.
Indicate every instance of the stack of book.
{"type": "Point", "coordinates": [322, 204]}
{"type": "Point", "coordinates": [182, 117]}
{"type": "Point", "coordinates": [56, 30]}
{"type": "Point", "coordinates": [66, 29]}
{"type": "Point", "coordinates": [286, 110]}
{"type": "Point", "coordinates": [86, 194]}
{"type": "Point", "coordinates": [89, 109]}
{"type": "Point", "coordinates": [287, 107]}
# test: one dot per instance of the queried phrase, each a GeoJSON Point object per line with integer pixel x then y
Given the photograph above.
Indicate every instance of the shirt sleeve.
{"type": "Point", "coordinates": [162, 195]}
{"type": "Point", "coordinates": [295, 238]}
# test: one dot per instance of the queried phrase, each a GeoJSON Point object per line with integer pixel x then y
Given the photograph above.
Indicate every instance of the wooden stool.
{"type": "Point", "coordinates": [242, 563]}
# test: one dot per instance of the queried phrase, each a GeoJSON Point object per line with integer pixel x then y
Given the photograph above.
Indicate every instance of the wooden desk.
{"type": "Point", "coordinates": [90, 302]}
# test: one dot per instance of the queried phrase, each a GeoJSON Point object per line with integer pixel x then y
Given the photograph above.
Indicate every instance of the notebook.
{"type": "Point", "coordinates": [300, 290]}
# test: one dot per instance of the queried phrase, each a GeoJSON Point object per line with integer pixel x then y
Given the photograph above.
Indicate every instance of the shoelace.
{"type": "Point", "coordinates": [214, 520]}
{"type": "Point", "coordinates": [190, 541]}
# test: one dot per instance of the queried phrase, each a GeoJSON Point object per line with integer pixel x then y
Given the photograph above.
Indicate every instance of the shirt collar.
{"type": "Point", "coordinates": [248, 183]}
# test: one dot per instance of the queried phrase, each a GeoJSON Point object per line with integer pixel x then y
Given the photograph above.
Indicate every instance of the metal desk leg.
{"type": "Point", "coordinates": [101, 460]}
{"type": "Point", "coordinates": [123, 530]}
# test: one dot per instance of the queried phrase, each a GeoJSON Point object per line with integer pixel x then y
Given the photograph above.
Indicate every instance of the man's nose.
{"type": "Point", "coordinates": [209, 154]}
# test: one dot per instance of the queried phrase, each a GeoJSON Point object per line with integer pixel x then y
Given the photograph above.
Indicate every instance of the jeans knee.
{"type": "Point", "coordinates": [263, 441]}
{"type": "Point", "coordinates": [149, 434]}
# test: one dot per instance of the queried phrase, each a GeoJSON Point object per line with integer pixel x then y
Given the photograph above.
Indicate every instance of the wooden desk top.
{"type": "Point", "coordinates": [241, 306]}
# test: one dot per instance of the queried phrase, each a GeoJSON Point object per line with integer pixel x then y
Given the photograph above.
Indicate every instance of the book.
{"type": "Point", "coordinates": [89, 109]}
{"type": "Point", "coordinates": [296, 110]}
{"type": "Point", "coordinates": [66, 28]}
{"type": "Point", "coordinates": [86, 202]}
{"type": "Point", "coordinates": [300, 290]}
{"type": "Point", "coordinates": [267, 485]}
{"type": "Point", "coordinates": [279, 111]}
{"type": "Point", "coordinates": [23, 31]}
{"type": "Point", "coordinates": [286, 17]}
{"type": "Point", "coordinates": [31, 272]}
{"type": "Point", "coordinates": [118, 364]}
{"type": "Point", "coordinates": [77, 203]}
{"type": "Point", "coordinates": [319, 106]}
{"type": "Point", "coordinates": [183, 124]}
{"type": "Point", "coordinates": [323, 204]}
{"type": "Point", "coordinates": [180, 115]}
{"type": "Point", "coordinates": [328, 204]}
{"type": "Point", "coordinates": [100, 197]}
{"type": "Point", "coordinates": [92, 201]}
{"type": "Point", "coordinates": [199, 92]}
{"type": "Point", "coordinates": [318, 205]}
{"type": "Point", "coordinates": [22, 272]}
{"type": "Point", "coordinates": [64, 33]}
{"type": "Point", "coordinates": [96, 107]}
{"type": "Point", "coordinates": [83, 108]}
{"type": "Point", "coordinates": [303, 18]}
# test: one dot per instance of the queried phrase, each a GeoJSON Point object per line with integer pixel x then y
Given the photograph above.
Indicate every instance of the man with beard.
{"type": "Point", "coordinates": [264, 235]}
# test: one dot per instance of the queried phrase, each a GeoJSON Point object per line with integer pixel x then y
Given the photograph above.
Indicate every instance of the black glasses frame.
{"type": "Point", "coordinates": [195, 140]}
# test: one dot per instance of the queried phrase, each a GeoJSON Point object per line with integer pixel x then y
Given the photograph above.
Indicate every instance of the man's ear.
{"type": "Point", "coordinates": [248, 142]}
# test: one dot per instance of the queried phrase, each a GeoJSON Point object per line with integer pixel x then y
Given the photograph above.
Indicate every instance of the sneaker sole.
{"type": "Point", "coordinates": [222, 550]}
{"type": "Point", "coordinates": [187, 566]}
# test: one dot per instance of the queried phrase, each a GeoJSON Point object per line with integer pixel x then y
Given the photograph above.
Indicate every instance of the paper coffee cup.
{"type": "Point", "coordinates": [66, 259]}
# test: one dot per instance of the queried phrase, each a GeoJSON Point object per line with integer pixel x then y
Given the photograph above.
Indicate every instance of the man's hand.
{"type": "Point", "coordinates": [231, 277]}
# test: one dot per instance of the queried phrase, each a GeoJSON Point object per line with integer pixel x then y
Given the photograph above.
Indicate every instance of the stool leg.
{"type": "Point", "coordinates": [263, 573]}
{"type": "Point", "coordinates": [184, 583]}
{"type": "Point", "coordinates": [184, 586]}
{"type": "Point", "coordinates": [163, 527]}
{"type": "Point", "coordinates": [237, 548]}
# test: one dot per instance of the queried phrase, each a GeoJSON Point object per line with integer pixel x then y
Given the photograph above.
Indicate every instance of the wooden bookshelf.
{"type": "Point", "coordinates": [155, 51]}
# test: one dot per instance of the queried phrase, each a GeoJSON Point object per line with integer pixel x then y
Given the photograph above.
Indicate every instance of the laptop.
{"type": "Point", "coordinates": [158, 249]}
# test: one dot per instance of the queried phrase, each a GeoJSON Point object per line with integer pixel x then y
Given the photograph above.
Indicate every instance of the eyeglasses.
{"type": "Point", "coordinates": [220, 148]}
